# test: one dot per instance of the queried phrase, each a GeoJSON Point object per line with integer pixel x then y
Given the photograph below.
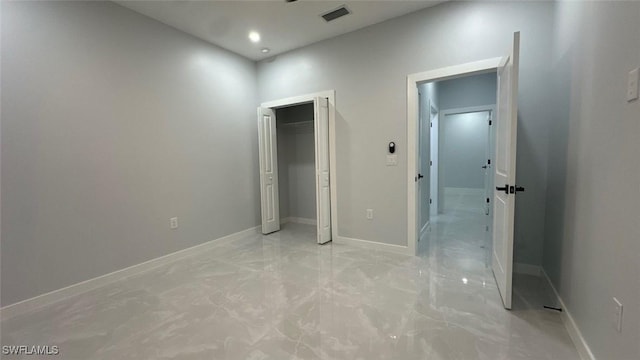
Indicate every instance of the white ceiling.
{"type": "Point", "coordinates": [283, 26]}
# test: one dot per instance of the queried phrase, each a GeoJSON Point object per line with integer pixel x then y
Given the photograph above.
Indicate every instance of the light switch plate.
{"type": "Point", "coordinates": [632, 84]}
{"type": "Point", "coordinates": [392, 160]}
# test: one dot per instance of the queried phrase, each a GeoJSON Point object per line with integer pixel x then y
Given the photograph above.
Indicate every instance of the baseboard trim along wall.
{"type": "Point", "coordinates": [54, 296]}
{"type": "Point", "coordinates": [299, 220]}
{"type": "Point", "coordinates": [574, 332]}
{"type": "Point", "coordinates": [527, 269]}
{"type": "Point", "coordinates": [404, 250]}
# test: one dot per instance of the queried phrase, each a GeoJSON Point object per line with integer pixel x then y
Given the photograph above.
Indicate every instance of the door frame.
{"type": "Point", "coordinates": [306, 98]}
{"type": "Point", "coordinates": [434, 118]}
{"type": "Point", "coordinates": [456, 111]}
{"type": "Point", "coordinates": [413, 80]}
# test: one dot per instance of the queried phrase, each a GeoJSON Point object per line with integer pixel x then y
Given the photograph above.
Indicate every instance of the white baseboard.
{"type": "Point", "coordinates": [527, 269]}
{"type": "Point", "coordinates": [404, 250]}
{"type": "Point", "coordinates": [299, 220]}
{"type": "Point", "coordinates": [574, 332]}
{"type": "Point", "coordinates": [52, 297]}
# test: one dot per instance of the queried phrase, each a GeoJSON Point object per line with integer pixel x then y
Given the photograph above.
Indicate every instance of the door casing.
{"type": "Point", "coordinates": [306, 98]}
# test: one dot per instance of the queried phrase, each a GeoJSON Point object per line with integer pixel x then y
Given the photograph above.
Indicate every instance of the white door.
{"type": "Point", "coordinates": [505, 171]}
{"type": "Point", "coordinates": [268, 153]}
{"type": "Point", "coordinates": [323, 193]}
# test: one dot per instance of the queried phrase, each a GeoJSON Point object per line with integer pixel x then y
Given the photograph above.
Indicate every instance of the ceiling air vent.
{"type": "Point", "coordinates": [337, 13]}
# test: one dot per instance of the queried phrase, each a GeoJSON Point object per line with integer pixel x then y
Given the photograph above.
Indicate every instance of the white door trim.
{"type": "Point", "coordinates": [471, 109]}
{"type": "Point", "coordinates": [307, 98]}
{"type": "Point", "coordinates": [434, 118]}
{"type": "Point", "coordinates": [451, 72]}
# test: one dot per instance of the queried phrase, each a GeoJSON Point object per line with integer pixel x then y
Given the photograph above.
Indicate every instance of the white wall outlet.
{"type": "Point", "coordinates": [392, 160]}
{"type": "Point", "coordinates": [370, 214]}
{"type": "Point", "coordinates": [632, 84]}
{"type": "Point", "coordinates": [617, 315]}
{"type": "Point", "coordinates": [173, 223]}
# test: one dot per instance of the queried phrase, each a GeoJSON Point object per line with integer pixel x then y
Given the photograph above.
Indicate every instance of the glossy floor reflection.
{"type": "Point", "coordinates": [284, 297]}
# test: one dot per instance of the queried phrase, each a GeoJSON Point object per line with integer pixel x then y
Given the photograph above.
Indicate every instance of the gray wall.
{"type": "Point", "coordinates": [368, 69]}
{"type": "Point", "coordinates": [592, 237]}
{"type": "Point", "coordinates": [463, 144]}
{"type": "Point", "coordinates": [468, 91]}
{"type": "Point", "coordinates": [111, 124]}
{"type": "Point", "coordinates": [296, 162]}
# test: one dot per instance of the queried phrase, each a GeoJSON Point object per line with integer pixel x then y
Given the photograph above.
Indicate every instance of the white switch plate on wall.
{"type": "Point", "coordinates": [173, 223]}
{"type": "Point", "coordinates": [632, 84]}
{"type": "Point", "coordinates": [370, 214]}
{"type": "Point", "coordinates": [392, 160]}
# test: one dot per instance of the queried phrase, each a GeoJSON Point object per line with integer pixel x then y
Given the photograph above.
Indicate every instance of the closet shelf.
{"type": "Point", "coordinates": [298, 124]}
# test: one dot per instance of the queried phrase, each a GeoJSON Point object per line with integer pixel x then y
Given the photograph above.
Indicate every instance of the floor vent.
{"type": "Point", "coordinates": [337, 13]}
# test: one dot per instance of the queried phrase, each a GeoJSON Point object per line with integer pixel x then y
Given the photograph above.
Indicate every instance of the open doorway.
{"type": "Point", "coordinates": [296, 142]}
{"type": "Point", "coordinates": [455, 161]}
{"type": "Point", "coordinates": [503, 71]}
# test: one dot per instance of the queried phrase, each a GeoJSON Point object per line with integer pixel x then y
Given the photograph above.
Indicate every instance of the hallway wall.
{"type": "Point", "coordinates": [464, 141]}
{"type": "Point", "coordinates": [592, 226]}
{"type": "Point", "coordinates": [468, 91]}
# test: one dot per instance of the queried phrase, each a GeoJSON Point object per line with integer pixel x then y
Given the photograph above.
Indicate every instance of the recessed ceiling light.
{"type": "Point", "coordinates": [254, 37]}
{"type": "Point", "coordinates": [265, 50]}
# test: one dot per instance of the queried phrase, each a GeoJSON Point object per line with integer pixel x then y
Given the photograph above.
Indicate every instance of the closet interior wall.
{"type": "Point", "coordinates": [296, 162]}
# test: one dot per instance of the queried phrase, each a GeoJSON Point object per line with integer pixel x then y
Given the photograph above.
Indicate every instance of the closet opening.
{"type": "Point", "coordinates": [296, 143]}
{"type": "Point", "coordinates": [296, 164]}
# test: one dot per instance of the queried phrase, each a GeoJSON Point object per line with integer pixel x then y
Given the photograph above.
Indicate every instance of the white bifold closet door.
{"type": "Point", "coordinates": [323, 193]}
{"type": "Point", "coordinates": [505, 171]}
{"type": "Point", "coordinates": [268, 153]}
{"type": "Point", "coordinates": [267, 148]}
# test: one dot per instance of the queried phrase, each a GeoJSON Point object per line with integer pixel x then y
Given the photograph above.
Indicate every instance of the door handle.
{"type": "Point", "coordinates": [484, 166]}
{"type": "Point", "coordinates": [510, 189]}
{"type": "Point", "coordinates": [420, 176]}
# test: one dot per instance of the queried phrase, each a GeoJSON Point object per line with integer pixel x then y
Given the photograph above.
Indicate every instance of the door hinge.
{"type": "Point", "coordinates": [430, 201]}
{"type": "Point", "coordinates": [430, 163]}
{"type": "Point", "coordinates": [488, 200]}
{"type": "Point", "coordinates": [431, 124]}
{"type": "Point", "coordinates": [490, 122]}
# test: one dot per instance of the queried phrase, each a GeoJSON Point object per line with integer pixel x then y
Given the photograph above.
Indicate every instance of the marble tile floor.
{"type": "Point", "coordinates": [282, 296]}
